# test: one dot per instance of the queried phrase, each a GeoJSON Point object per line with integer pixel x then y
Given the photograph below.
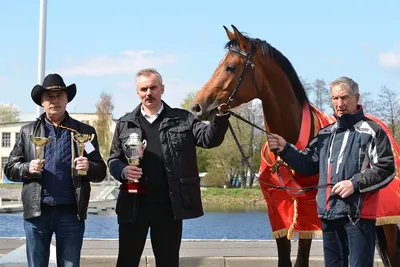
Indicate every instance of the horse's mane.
{"type": "Point", "coordinates": [271, 52]}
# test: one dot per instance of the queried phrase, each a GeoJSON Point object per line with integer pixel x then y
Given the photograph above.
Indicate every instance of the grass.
{"type": "Point", "coordinates": [232, 196]}
{"type": "Point", "coordinates": [212, 195]}
{"type": "Point", "coordinates": [11, 186]}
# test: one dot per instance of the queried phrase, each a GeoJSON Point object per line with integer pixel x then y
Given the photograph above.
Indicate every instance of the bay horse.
{"type": "Point", "coordinates": [250, 69]}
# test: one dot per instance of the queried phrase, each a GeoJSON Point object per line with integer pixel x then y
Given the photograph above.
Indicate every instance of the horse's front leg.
{"type": "Point", "coordinates": [303, 253]}
{"type": "Point", "coordinates": [284, 249]}
{"type": "Point", "coordinates": [391, 235]}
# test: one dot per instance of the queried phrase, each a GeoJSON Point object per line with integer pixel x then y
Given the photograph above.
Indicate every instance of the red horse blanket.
{"type": "Point", "coordinates": [290, 213]}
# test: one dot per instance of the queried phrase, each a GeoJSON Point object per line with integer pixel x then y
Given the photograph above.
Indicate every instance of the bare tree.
{"type": "Point", "coordinates": [9, 113]}
{"type": "Point", "coordinates": [104, 110]}
{"type": "Point", "coordinates": [308, 87]}
{"type": "Point", "coordinates": [322, 94]}
{"type": "Point", "coordinates": [369, 105]}
{"type": "Point", "coordinates": [389, 108]}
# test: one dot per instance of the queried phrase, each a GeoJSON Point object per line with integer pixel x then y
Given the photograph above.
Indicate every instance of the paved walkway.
{"type": "Point", "coordinates": [194, 253]}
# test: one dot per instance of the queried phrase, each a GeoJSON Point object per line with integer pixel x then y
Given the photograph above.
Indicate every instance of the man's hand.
{"type": "Point", "coordinates": [276, 142]}
{"type": "Point", "coordinates": [132, 172]}
{"type": "Point", "coordinates": [82, 163]}
{"type": "Point", "coordinates": [344, 188]}
{"type": "Point", "coordinates": [36, 166]}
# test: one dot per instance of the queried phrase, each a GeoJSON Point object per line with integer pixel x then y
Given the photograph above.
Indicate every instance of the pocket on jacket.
{"type": "Point", "coordinates": [190, 192]}
{"type": "Point", "coordinates": [126, 207]}
{"type": "Point", "coordinates": [181, 138]}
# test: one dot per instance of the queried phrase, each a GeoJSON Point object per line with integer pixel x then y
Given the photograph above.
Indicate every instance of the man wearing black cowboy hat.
{"type": "Point", "coordinates": [55, 198]}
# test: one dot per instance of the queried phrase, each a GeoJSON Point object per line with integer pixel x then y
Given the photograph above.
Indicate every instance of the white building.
{"type": "Point", "coordinates": [9, 133]}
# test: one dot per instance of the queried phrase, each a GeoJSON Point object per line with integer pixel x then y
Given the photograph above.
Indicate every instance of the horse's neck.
{"type": "Point", "coordinates": [282, 110]}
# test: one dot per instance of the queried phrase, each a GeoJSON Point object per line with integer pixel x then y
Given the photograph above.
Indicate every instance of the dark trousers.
{"type": "Point", "coordinates": [62, 221]}
{"type": "Point", "coordinates": [345, 243]}
{"type": "Point", "coordinates": [165, 235]}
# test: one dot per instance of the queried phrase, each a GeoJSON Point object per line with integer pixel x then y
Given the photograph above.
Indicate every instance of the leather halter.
{"type": "Point", "coordinates": [249, 62]}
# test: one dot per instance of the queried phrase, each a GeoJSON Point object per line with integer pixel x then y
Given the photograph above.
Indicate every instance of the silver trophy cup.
{"type": "Point", "coordinates": [134, 149]}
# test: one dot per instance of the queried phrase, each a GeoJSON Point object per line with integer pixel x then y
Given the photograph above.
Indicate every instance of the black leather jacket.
{"type": "Point", "coordinates": [180, 132]}
{"type": "Point", "coordinates": [17, 168]}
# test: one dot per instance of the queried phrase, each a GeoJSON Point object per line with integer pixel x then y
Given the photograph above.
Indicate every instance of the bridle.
{"type": "Point", "coordinates": [278, 163]}
{"type": "Point", "coordinates": [249, 57]}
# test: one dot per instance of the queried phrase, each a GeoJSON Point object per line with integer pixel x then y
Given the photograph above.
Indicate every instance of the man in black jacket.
{"type": "Point", "coordinates": [55, 198]}
{"type": "Point", "coordinates": [168, 169]}
{"type": "Point", "coordinates": [356, 156]}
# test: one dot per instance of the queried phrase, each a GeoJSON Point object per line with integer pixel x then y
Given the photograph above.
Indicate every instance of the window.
{"type": "Point", "coordinates": [16, 137]}
{"type": "Point", "coordinates": [6, 140]}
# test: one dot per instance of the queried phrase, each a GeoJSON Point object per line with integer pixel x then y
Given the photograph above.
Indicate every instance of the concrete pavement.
{"type": "Point", "coordinates": [194, 253]}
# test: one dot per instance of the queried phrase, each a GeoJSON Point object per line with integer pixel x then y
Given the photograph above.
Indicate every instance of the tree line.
{"type": "Point", "coordinates": [224, 164]}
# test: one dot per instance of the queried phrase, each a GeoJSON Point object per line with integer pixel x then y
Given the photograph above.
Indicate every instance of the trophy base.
{"type": "Point", "coordinates": [135, 188]}
{"type": "Point", "coordinates": [80, 172]}
{"type": "Point", "coordinates": [133, 162]}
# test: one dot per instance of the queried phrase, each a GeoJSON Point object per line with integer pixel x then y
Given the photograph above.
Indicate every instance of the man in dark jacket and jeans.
{"type": "Point", "coordinates": [355, 155]}
{"type": "Point", "coordinates": [168, 169]}
{"type": "Point", "coordinates": [55, 198]}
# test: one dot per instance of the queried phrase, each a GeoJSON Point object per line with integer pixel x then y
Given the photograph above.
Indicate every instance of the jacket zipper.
{"type": "Point", "coordinates": [74, 181]}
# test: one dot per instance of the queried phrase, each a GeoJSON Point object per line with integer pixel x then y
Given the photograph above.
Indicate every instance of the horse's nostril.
{"type": "Point", "coordinates": [196, 108]}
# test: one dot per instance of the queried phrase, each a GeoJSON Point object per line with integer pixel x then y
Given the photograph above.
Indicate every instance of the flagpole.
{"type": "Point", "coordinates": [42, 47]}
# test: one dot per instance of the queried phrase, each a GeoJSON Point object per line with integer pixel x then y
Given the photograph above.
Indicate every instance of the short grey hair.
{"type": "Point", "coordinates": [347, 82]}
{"type": "Point", "coordinates": [148, 71]}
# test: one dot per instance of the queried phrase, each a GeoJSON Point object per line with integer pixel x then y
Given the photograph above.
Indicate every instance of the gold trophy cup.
{"type": "Point", "coordinates": [81, 139]}
{"type": "Point", "coordinates": [134, 149]}
{"type": "Point", "coordinates": [39, 143]}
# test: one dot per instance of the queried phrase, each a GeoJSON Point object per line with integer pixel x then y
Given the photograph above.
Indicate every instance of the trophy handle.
{"type": "Point", "coordinates": [144, 144]}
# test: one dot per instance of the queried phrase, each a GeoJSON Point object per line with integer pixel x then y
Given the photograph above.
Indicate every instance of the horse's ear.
{"type": "Point", "coordinates": [229, 33]}
{"type": "Point", "coordinates": [244, 43]}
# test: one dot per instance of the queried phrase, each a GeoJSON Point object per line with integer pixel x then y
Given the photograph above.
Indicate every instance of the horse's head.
{"type": "Point", "coordinates": [233, 82]}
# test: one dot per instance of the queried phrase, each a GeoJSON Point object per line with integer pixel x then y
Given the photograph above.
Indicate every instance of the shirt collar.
{"type": "Point", "coordinates": [152, 116]}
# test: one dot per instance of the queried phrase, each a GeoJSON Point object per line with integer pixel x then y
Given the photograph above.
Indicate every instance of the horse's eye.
{"type": "Point", "coordinates": [230, 68]}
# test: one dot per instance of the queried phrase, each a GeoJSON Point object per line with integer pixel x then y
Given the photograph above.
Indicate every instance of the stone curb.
{"type": "Point", "coordinates": [149, 261]}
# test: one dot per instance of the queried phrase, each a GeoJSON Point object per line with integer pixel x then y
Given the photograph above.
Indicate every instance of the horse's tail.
{"type": "Point", "coordinates": [382, 247]}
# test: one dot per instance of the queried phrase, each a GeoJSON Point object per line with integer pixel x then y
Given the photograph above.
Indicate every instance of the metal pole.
{"type": "Point", "coordinates": [42, 47]}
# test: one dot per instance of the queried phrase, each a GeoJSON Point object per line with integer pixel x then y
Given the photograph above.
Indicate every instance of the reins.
{"type": "Point", "coordinates": [277, 164]}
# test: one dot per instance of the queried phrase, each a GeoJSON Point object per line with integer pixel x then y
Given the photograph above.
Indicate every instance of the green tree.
{"type": "Point", "coordinates": [9, 113]}
{"type": "Point", "coordinates": [202, 154]}
{"type": "Point", "coordinates": [227, 160]}
{"type": "Point", "coordinates": [104, 108]}
{"type": "Point", "coordinates": [188, 101]}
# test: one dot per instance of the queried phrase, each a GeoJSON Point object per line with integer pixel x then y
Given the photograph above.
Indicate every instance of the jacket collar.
{"type": "Point", "coordinates": [348, 120]}
{"type": "Point", "coordinates": [133, 116]}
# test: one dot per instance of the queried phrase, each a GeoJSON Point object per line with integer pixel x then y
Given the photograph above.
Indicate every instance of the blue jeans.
{"type": "Point", "coordinates": [346, 243]}
{"type": "Point", "coordinates": [61, 220]}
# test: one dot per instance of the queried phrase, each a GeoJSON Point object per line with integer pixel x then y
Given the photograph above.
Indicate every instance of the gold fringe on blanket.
{"type": "Point", "coordinates": [300, 234]}
{"type": "Point", "coordinates": [290, 234]}
{"type": "Point", "coordinates": [309, 234]}
{"type": "Point", "coordinates": [280, 233]}
{"type": "Point", "coordinates": [387, 220]}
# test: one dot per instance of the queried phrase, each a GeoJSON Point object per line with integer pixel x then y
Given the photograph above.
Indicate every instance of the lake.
{"type": "Point", "coordinates": [218, 222]}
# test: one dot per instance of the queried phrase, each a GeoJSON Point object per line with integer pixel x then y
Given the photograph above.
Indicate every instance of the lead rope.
{"type": "Point", "coordinates": [61, 126]}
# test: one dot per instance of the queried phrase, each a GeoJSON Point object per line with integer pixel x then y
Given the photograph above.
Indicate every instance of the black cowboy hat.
{"type": "Point", "coordinates": [52, 83]}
